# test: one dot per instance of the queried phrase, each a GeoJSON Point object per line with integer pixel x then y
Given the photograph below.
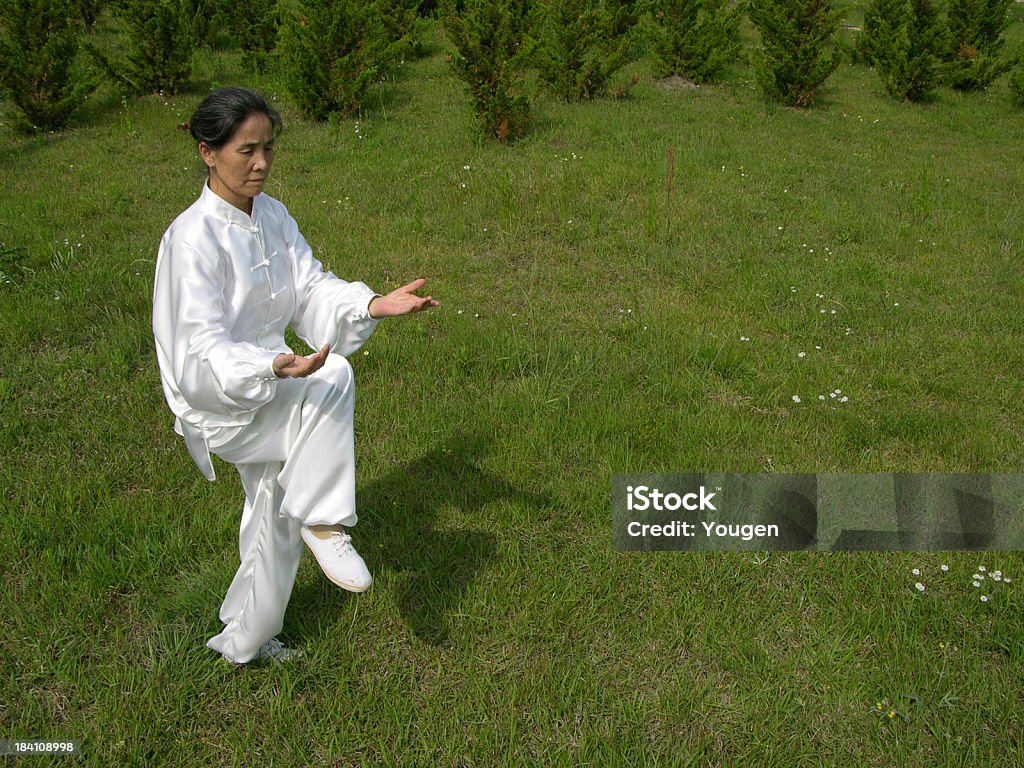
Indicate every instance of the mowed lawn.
{"type": "Point", "coordinates": [683, 280]}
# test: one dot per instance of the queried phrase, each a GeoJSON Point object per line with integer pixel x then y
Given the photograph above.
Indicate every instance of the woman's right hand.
{"type": "Point", "coordinates": [296, 367]}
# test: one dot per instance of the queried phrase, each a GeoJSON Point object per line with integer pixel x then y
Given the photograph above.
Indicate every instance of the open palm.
{"type": "Point", "coordinates": [401, 301]}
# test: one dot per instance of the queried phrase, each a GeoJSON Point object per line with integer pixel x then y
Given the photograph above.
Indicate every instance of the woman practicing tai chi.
{"type": "Point", "coordinates": [232, 273]}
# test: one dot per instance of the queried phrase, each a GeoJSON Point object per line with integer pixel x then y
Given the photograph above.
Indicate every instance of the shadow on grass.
{"type": "Point", "coordinates": [399, 530]}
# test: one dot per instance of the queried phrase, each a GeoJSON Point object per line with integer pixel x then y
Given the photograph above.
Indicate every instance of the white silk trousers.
{"type": "Point", "coordinates": [297, 464]}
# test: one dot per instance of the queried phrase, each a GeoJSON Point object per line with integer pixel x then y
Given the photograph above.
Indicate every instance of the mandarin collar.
{"type": "Point", "coordinates": [221, 208]}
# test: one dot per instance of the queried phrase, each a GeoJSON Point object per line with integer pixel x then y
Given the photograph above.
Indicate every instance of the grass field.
{"type": "Point", "coordinates": [595, 311]}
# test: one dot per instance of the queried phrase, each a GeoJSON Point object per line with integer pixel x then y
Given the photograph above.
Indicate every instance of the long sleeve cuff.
{"type": "Point", "coordinates": [267, 366]}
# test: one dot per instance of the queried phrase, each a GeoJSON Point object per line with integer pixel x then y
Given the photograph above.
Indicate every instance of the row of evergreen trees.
{"type": "Point", "coordinates": [331, 51]}
{"type": "Point", "coordinates": [914, 49]}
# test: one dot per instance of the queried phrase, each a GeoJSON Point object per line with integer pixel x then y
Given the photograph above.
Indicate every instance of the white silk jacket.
{"type": "Point", "coordinates": [227, 286]}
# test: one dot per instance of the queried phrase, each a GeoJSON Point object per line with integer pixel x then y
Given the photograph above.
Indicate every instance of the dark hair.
{"type": "Point", "coordinates": [218, 116]}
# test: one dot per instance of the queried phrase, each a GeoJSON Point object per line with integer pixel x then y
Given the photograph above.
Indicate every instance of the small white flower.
{"type": "Point", "coordinates": [982, 569]}
{"type": "Point", "coordinates": [919, 586]}
{"type": "Point", "coordinates": [796, 398]}
{"type": "Point", "coordinates": [944, 567]}
{"type": "Point", "coordinates": [996, 577]}
{"type": "Point", "coordinates": [984, 598]}
{"type": "Point", "coordinates": [460, 312]}
{"type": "Point", "coordinates": [821, 397]}
{"type": "Point", "coordinates": [1007, 579]}
{"type": "Point", "coordinates": [843, 399]}
{"type": "Point", "coordinates": [976, 584]}
{"type": "Point", "coordinates": [997, 573]}
{"type": "Point", "coordinates": [801, 354]}
{"type": "Point", "coordinates": [465, 167]}
{"type": "Point", "coordinates": [916, 571]}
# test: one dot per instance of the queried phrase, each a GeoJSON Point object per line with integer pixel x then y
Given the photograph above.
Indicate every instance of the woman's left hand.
{"type": "Point", "coordinates": [401, 301]}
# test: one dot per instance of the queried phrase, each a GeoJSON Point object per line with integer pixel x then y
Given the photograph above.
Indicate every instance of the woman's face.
{"type": "Point", "coordinates": [239, 169]}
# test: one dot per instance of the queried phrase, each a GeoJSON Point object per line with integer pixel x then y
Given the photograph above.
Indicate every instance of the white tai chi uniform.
{"type": "Point", "coordinates": [227, 286]}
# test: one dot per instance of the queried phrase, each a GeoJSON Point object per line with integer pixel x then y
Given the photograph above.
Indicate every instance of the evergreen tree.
{"type": "Point", "coordinates": [333, 50]}
{"type": "Point", "coordinates": [39, 40]}
{"type": "Point", "coordinates": [798, 48]}
{"type": "Point", "coordinates": [256, 32]}
{"type": "Point", "coordinates": [89, 11]}
{"type": "Point", "coordinates": [1017, 84]}
{"type": "Point", "coordinates": [160, 40]}
{"type": "Point", "coordinates": [695, 38]}
{"type": "Point", "coordinates": [403, 23]}
{"type": "Point", "coordinates": [902, 40]}
{"type": "Point", "coordinates": [581, 43]}
{"type": "Point", "coordinates": [206, 18]}
{"type": "Point", "coordinates": [490, 57]}
{"type": "Point", "coordinates": [975, 37]}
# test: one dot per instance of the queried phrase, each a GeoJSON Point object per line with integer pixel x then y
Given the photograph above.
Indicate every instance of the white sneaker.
{"type": "Point", "coordinates": [275, 649]}
{"type": "Point", "coordinates": [338, 559]}
{"type": "Point", "coordinates": [272, 649]}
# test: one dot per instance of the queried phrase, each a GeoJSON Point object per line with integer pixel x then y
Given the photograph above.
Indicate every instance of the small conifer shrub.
{"type": "Point", "coordinates": [491, 53]}
{"type": "Point", "coordinates": [1017, 84]}
{"type": "Point", "coordinates": [256, 32]}
{"type": "Point", "coordinates": [39, 41]}
{"type": "Point", "coordinates": [975, 38]}
{"type": "Point", "coordinates": [333, 51]}
{"type": "Point", "coordinates": [798, 48]}
{"type": "Point", "coordinates": [160, 38]}
{"type": "Point", "coordinates": [695, 39]}
{"type": "Point", "coordinates": [403, 23]}
{"type": "Point", "coordinates": [581, 43]}
{"type": "Point", "coordinates": [88, 11]}
{"type": "Point", "coordinates": [903, 41]}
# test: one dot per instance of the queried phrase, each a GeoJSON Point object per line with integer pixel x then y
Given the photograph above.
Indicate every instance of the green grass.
{"type": "Point", "coordinates": [590, 324]}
